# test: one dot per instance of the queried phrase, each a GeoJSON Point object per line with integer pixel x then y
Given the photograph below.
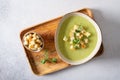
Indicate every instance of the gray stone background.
{"type": "Point", "coordinates": [15, 15]}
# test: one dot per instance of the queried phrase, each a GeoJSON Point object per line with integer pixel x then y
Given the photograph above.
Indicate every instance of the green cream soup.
{"type": "Point", "coordinates": [67, 25]}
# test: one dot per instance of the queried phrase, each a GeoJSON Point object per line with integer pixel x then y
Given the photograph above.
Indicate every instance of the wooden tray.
{"type": "Point", "coordinates": [47, 31]}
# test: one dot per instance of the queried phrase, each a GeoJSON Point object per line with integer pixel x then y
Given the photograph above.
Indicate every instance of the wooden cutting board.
{"type": "Point", "coordinates": [47, 31]}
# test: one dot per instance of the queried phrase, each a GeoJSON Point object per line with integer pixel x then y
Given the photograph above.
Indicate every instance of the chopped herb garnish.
{"type": "Point", "coordinates": [47, 59]}
{"type": "Point", "coordinates": [76, 41]}
{"type": "Point", "coordinates": [54, 60]}
{"type": "Point", "coordinates": [79, 37]}
{"type": "Point", "coordinates": [77, 30]}
{"type": "Point", "coordinates": [43, 61]}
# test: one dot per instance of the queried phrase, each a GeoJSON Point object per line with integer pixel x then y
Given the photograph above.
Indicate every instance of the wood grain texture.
{"type": "Point", "coordinates": [47, 31]}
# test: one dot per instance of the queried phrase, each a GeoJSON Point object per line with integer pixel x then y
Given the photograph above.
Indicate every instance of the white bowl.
{"type": "Point", "coordinates": [92, 54]}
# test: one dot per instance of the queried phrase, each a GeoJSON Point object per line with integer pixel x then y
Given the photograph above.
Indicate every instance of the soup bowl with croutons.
{"type": "Point", "coordinates": [77, 39]}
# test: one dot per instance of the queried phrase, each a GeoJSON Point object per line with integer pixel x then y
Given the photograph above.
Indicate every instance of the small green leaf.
{"type": "Point", "coordinates": [47, 59]}
{"type": "Point", "coordinates": [54, 60]}
{"type": "Point", "coordinates": [77, 30]}
{"type": "Point", "coordinates": [43, 61]}
{"type": "Point", "coordinates": [76, 41]}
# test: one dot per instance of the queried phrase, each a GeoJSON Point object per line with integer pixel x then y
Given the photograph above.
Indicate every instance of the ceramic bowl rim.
{"type": "Point", "coordinates": [93, 53]}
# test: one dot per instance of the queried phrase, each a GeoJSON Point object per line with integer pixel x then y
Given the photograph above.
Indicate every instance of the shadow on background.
{"type": "Point", "coordinates": [109, 24]}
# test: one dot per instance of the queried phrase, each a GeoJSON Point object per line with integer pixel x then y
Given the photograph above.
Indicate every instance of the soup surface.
{"type": "Point", "coordinates": [67, 25]}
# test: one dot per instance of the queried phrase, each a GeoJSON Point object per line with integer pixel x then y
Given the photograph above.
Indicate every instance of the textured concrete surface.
{"type": "Point", "coordinates": [15, 15]}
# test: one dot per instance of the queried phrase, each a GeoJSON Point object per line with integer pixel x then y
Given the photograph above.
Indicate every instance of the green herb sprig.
{"type": "Point", "coordinates": [47, 59]}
